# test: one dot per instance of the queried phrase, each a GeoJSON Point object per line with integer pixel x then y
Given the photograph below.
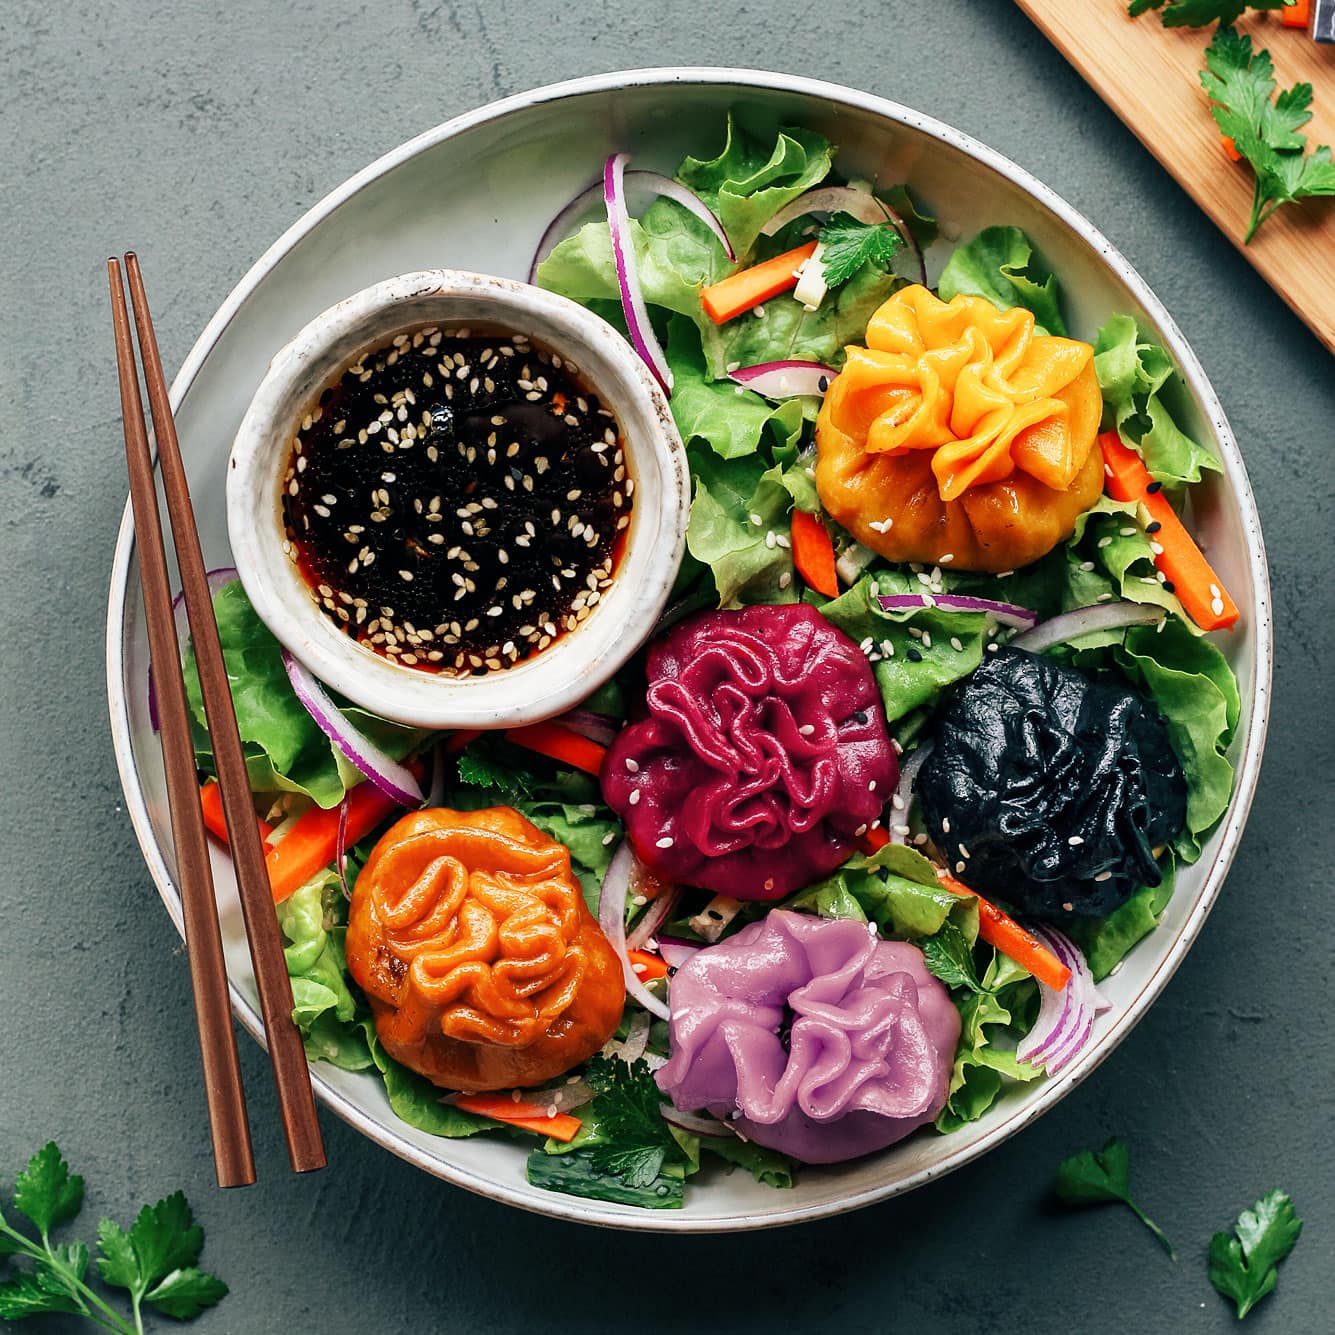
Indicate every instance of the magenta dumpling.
{"type": "Point", "coordinates": [812, 1037]}
{"type": "Point", "coordinates": [764, 754]}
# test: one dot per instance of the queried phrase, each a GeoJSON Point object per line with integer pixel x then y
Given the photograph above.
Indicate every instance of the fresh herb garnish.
{"type": "Point", "coordinates": [950, 957]}
{"type": "Point", "coordinates": [1264, 128]}
{"type": "Point", "coordinates": [849, 244]}
{"type": "Point", "coordinates": [1201, 13]}
{"type": "Point", "coordinates": [154, 1260]}
{"type": "Point", "coordinates": [1093, 1177]}
{"type": "Point", "coordinates": [477, 769]}
{"type": "Point", "coordinates": [1242, 1263]}
{"type": "Point", "coordinates": [627, 1109]}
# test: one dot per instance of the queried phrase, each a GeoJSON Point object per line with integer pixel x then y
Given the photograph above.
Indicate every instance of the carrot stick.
{"type": "Point", "coordinates": [747, 288]}
{"type": "Point", "coordinates": [1003, 932]}
{"type": "Point", "coordinates": [647, 967]}
{"type": "Point", "coordinates": [528, 1116]}
{"type": "Point", "coordinates": [1296, 15]}
{"type": "Point", "coordinates": [456, 741]}
{"type": "Point", "coordinates": [312, 842]}
{"type": "Point", "coordinates": [210, 799]}
{"type": "Point", "coordinates": [1198, 588]}
{"type": "Point", "coordinates": [813, 554]}
{"type": "Point", "coordinates": [560, 744]}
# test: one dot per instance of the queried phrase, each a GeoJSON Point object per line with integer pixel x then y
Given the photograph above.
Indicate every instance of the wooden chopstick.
{"type": "Point", "coordinates": [291, 1074]}
{"type": "Point", "coordinates": [233, 1161]}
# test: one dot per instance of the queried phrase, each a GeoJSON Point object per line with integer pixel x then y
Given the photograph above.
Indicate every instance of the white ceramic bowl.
{"type": "Point", "coordinates": [524, 158]}
{"type": "Point", "coordinates": [577, 663]}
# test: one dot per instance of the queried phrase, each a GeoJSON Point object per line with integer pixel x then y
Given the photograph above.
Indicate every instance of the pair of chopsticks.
{"type": "Point", "coordinates": [222, 1075]}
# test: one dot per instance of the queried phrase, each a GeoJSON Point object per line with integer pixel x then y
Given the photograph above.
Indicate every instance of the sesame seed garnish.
{"type": "Point", "coordinates": [665, 842]}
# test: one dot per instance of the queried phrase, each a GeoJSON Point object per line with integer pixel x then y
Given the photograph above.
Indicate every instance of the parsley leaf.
{"type": "Point", "coordinates": [1096, 1177]}
{"type": "Point", "coordinates": [1201, 13]}
{"type": "Point", "coordinates": [849, 244]}
{"type": "Point", "coordinates": [477, 769]}
{"type": "Point", "coordinates": [628, 1112]}
{"type": "Point", "coordinates": [1242, 1263]}
{"type": "Point", "coordinates": [1266, 132]}
{"type": "Point", "coordinates": [154, 1259]}
{"type": "Point", "coordinates": [950, 957]}
{"type": "Point", "coordinates": [46, 1191]}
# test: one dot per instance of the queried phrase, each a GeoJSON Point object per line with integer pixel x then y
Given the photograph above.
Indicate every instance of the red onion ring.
{"type": "Point", "coordinates": [341, 848]}
{"type": "Point", "coordinates": [698, 1124]}
{"type": "Point", "coordinates": [1065, 1019]}
{"type": "Point", "coordinates": [218, 578]}
{"type": "Point", "coordinates": [659, 911]}
{"type": "Point", "coordinates": [393, 779]}
{"type": "Point", "coordinates": [642, 336]}
{"type": "Point", "coordinates": [588, 724]}
{"type": "Point", "coordinates": [785, 380]}
{"type": "Point", "coordinates": [675, 953]}
{"type": "Point", "coordinates": [612, 919]}
{"type": "Point", "coordinates": [656, 183]}
{"type": "Point", "coordinates": [903, 799]}
{"type": "Point", "coordinates": [1085, 620]}
{"type": "Point", "coordinates": [1008, 613]}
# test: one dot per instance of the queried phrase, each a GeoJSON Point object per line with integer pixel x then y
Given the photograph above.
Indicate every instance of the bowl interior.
{"type": "Point", "coordinates": [577, 662]}
{"type": "Point", "coordinates": [522, 160]}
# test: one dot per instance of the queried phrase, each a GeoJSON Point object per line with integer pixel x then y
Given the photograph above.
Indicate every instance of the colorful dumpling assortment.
{"type": "Point", "coordinates": [483, 966]}
{"type": "Point", "coordinates": [764, 755]}
{"type": "Point", "coordinates": [959, 435]}
{"type": "Point", "coordinates": [1052, 788]}
{"type": "Point", "coordinates": [811, 1036]}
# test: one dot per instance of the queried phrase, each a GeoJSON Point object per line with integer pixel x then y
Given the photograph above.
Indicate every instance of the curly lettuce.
{"type": "Point", "coordinates": [1001, 264]}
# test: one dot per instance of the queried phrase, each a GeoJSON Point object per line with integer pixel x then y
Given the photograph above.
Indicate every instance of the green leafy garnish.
{"type": "Point", "coordinates": [1095, 1177]}
{"type": "Point", "coordinates": [1264, 128]}
{"type": "Point", "coordinates": [849, 244]}
{"type": "Point", "coordinates": [1243, 1263]}
{"type": "Point", "coordinates": [627, 1110]}
{"type": "Point", "coordinates": [1201, 13]}
{"type": "Point", "coordinates": [154, 1260]}
{"type": "Point", "coordinates": [949, 956]}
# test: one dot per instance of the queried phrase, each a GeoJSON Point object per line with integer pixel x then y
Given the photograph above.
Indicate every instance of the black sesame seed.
{"type": "Point", "coordinates": [913, 656]}
{"type": "Point", "coordinates": [1154, 488]}
{"type": "Point", "coordinates": [1153, 527]}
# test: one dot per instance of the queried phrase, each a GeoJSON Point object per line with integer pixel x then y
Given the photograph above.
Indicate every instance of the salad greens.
{"type": "Point", "coordinates": [1097, 1177]}
{"type": "Point", "coordinates": [752, 463]}
{"type": "Point", "coordinates": [154, 1260]}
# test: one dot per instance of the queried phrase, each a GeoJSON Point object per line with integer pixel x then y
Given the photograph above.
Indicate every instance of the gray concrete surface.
{"type": "Point", "coordinates": [196, 132]}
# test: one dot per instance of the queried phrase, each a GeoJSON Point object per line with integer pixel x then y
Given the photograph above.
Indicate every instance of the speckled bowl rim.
{"type": "Point", "coordinates": [578, 662]}
{"type": "Point", "coordinates": [1249, 762]}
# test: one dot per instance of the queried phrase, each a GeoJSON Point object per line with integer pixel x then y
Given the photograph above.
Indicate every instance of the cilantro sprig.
{"type": "Point", "coordinates": [848, 244]}
{"type": "Point", "coordinates": [1243, 1263]}
{"type": "Point", "coordinates": [1096, 1177]}
{"type": "Point", "coordinates": [950, 957]}
{"type": "Point", "coordinates": [1201, 13]}
{"type": "Point", "coordinates": [154, 1260]}
{"type": "Point", "coordinates": [1264, 127]}
{"type": "Point", "coordinates": [628, 1109]}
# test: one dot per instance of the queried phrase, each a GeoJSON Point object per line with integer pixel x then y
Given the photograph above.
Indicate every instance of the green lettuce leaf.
{"type": "Point", "coordinates": [768, 1167]}
{"type": "Point", "coordinates": [286, 751]}
{"type": "Point", "coordinates": [1106, 941]}
{"type": "Point", "coordinates": [1195, 690]}
{"type": "Point", "coordinates": [746, 185]}
{"type": "Point", "coordinates": [1001, 264]}
{"type": "Point", "coordinates": [1133, 375]}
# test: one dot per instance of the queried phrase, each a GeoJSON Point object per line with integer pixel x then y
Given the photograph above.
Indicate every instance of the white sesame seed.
{"type": "Point", "coordinates": [634, 798]}
{"type": "Point", "coordinates": [665, 842]}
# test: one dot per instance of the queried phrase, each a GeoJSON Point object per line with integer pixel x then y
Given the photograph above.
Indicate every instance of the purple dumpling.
{"type": "Point", "coordinates": [764, 755]}
{"type": "Point", "coordinates": [811, 1036]}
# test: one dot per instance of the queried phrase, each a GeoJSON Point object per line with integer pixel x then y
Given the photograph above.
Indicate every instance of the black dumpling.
{"type": "Point", "coordinates": [1056, 784]}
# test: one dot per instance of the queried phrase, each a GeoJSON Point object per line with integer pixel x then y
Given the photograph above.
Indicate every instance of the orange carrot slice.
{"type": "Point", "coordinates": [747, 288]}
{"type": "Point", "coordinates": [560, 744]}
{"type": "Point", "coordinates": [527, 1116]}
{"type": "Point", "coordinates": [813, 553]}
{"type": "Point", "coordinates": [1002, 931]}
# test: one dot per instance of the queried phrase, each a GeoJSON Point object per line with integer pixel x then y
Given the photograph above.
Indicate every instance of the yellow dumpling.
{"type": "Point", "coordinates": [960, 433]}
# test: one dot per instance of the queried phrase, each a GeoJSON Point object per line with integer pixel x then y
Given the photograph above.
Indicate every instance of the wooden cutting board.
{"type": "Point", "coordinates": [1148, 75]}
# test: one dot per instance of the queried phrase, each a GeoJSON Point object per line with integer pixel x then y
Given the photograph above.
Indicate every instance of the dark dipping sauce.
{"type": "Point", "coordinates": [457, 500]}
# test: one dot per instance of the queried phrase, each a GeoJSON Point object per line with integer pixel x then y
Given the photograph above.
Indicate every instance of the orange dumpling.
{"type": "Point", "coordinates": [959, 434]}
{"type": "Point", "coordinates": [484, 968]}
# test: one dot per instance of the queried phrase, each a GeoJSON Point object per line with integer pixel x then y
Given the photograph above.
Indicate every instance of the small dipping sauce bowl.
{"type": "Point", "coordinates": [317, 623]}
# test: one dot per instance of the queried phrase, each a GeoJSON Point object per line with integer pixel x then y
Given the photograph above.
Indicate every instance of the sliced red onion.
{"type": "Point", "coordinates": [634, 1045]}
{"type": "Point", "coordinates": [698, 1124]}
{"type": "Point", "coordinates": [217, 578]}
{"type": "Point", "coordinates": [859, 204]}
{"type": "Point", "coordinates": [785, 380]}
{"type": "Point", "coordinates": [642, 335]}
{"type": "Point", "coordinates": [854, 559]}
{"type": "Point", "coordinates": [1084, 621]}
{"type": "Point", "coordinates": [341, 848]}
{"type": "Point", "coordinates": [659, 911]}
{"type": "Point", "coordinates": [675, 953]}
{"type": "Point", "coordinates": [612, 919]}
{"type": "Point", "coordinates": [595, 727]}
{"type": "Point", "coordinates": [1066, 1018]}
{"type": "Point", "coordinates": [903, 798]}
{"type": "Point", "coordinates": [656, 183]}
{"type": "Point", "coordinates": [1008, 613]}
{"type": "Point", "coordinates": [392, 778]}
